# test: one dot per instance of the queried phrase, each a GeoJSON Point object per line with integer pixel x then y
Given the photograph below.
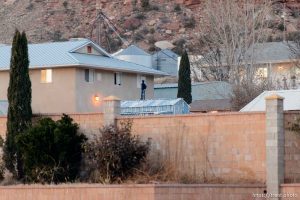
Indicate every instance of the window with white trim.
{"type": "Point", "coordinates": [89, 75]}
{"type": "Point", "coordinates": [118, 78]}
{"type": "Point", "coordinates": [262, 72]}
{"type": "Point", "coordinates": [46, 76]}
{"type": "Point", "coordinates": [139, 80]}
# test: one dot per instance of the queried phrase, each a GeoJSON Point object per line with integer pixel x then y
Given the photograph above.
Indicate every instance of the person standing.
{"type": "Point", "coordinates": [143, 92]}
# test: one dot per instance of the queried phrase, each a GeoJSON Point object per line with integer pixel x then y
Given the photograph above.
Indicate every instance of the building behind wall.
{"type": "Point", "coordinates": [166, 61]}
{"type": "Point", "coordinates": [155, 107]}
{"type": "Point", "coordinates": [75, 75]}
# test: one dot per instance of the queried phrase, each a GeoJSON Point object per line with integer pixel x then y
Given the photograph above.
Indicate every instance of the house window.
{"type": "Point", "coordinates": [89, 49]}
{"type": "Point", "coordinates": [89, 75]}
{"type": "Point", "coordinates": [46, 76]}
{"type": "Point", "coordinates": [118, 78]}
{"type": "Point", "coordinates": [139, 79]}
{"type": "Point", "coordinates": [262, 72]}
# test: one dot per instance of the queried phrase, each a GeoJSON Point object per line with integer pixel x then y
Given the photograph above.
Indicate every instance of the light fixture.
{"type": "Point", "coordinates": [96, 98]}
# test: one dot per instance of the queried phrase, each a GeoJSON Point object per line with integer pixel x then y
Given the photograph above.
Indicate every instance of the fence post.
{"type": "Point", "coordinates": [274, 143]}
{"type": "Point", "coordinates": [112, 108]}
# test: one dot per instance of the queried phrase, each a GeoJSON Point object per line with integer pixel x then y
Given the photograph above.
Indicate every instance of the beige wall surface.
{"type": "Point", "coordinates": [228, 147]}
{"type": "Point", "coordinates": [292, 191]}
{"type": "Point", "coordinates": [55, 97]}
{"type": "Point", "coordinates": [128, 90]}
{"type": "Point", "coordinates": [130, 192]}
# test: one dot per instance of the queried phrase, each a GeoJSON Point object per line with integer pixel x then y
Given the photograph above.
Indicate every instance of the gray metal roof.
{"type": "Point", "coordinates": [132, 50]}
{"type": "Point", "coordinates": [272, 52]}
{"type": "Point", "coordinates": [166, 52]}
{"type": "Point", "coordinates": [3, 107]}
{"type": "Point", "coordinates": [62, 54]}
{"type": "Point", "coordinates": [211, 105]}
{"type": "Point", "coordinates": [149, 107]}
{"type": "Point", "coordinates": [200, 90]}
{"type": "Point", "coordinates": [150, 103]}
{"type": "Point", "coordinates": [291, 100]}
{"type": "Point", "coordinates": [263, 53]}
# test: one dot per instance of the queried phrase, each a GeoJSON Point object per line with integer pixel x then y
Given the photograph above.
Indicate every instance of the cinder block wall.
{"type": "Point", "coordinates": [130, 192]}
{"type": "Point", "coordinates": [230, 146]}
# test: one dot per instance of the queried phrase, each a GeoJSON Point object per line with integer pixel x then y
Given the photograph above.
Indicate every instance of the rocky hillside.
{"type": "Point", "coordinates": [137, 22]}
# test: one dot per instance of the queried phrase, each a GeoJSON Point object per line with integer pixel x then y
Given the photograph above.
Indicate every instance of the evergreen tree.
{"type": "Point", "coordinates": [19, 99]}
{"type": "Point", "coordinates": [184, 80]}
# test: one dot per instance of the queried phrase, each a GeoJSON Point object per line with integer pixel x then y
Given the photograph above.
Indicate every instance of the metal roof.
{"type": "Point", "coordinates": [63, 54]}
{"type": "Point", "coordinates": [291, 100]}
{"type": "Point", "coordinates": [3, 107]}
{"type": "Point", "coordinates": [155, 107]}
{"type": "Point", "coordinates": [263, 53]}
{"type": "Point", "coordinates": [150, 103]}
{"type": "Point", "coordinates": [166, 52]}
{"type": "Point", "coordinates": [211, 105]}
{"type": "Point", "coordinates": [200, 90]}
{"type": "Point", "coordinates": [132, 50]}
{"type": "Point", "coordinates": [272, 52]}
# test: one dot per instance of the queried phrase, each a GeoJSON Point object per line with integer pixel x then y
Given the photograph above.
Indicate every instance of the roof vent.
{"type": "Point", "coordinates": [77, 39]}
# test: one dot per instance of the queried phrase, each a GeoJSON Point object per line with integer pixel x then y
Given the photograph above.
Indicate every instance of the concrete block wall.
{"type": "Point", "coordinates": [130, 192]}
{"type": "Point", "coordinates": [226, 146]}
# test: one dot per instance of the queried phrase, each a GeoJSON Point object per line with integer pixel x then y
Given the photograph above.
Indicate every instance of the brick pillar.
{"type": "Point", "coordinates": [112, 108]}
{"type": "Point", "coordinates": [274, 143]}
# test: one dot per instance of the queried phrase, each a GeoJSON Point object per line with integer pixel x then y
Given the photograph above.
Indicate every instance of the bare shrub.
{"type": "Point", "coordinates": [114, 155]}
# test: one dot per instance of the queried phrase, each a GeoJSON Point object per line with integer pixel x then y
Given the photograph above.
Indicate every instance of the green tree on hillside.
{"type": "Point", "coordinates": [19, 99]}
{"type": "Point", "coordinates": [184, 80]}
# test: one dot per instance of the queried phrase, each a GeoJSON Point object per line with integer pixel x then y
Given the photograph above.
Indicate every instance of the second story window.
{"type": "Point", "coordinates": [89, 49]}
{"type": "Point", "coordinates": [118, 78]}
{"type": "Point", "coordinates": [89, 75]}
{"type": "Point", "coordinates": [46, 76]}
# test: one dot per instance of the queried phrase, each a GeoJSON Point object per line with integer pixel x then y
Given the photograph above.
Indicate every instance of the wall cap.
{"type": "Point", "coordinates": [111, 98]}
{"type": "Point", "coordinates": [274, 97]}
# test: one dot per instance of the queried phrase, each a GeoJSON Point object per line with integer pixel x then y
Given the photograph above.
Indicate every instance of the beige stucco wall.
{"type": "Point", "coordinates": [128, 90]}
{"type": "Point", "coordinates": [69, 92]}
{"type": "Point", "coordinates": [55, 97]}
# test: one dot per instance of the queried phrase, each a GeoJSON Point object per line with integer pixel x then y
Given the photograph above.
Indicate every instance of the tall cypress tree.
{"type": "Point", "coordinates": [19, 100]}
{"type": "Point", "coordinates": [184, 80]}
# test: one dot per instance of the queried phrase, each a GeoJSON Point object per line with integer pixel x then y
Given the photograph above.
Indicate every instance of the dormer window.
{"type": "Point", "coordinates": [89, 49]}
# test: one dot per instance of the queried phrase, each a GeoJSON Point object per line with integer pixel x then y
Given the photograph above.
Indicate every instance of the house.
{"type": "Point", "coordinates": [207, 96]}
{"type": "Point", "coordinates": [155, 107]}
{"type": "Point", "coordinates": [291, 101]}
{"type": "Point", "coordinates": [166, 61]}
{"type": "Point", "coordinates": [136, 55]}
{"type": "Point", "coordinates": [73, 76]}
{"type": "Point", "coordinates": [277, 62]}
{"type": "Point", "coordinates": [273, 60]}
{"type": "Point", "coordinates": [200, 90]}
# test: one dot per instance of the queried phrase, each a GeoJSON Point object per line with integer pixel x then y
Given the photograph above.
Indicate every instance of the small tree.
{"type": "Point", "coordinates": [52, 150]}
{"type": "Point", "coordinates": [19, 99]}
{"type": "Point", "coordinates": [184, 80]}
{"type": "Point", "coordinates": [113, 156]}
